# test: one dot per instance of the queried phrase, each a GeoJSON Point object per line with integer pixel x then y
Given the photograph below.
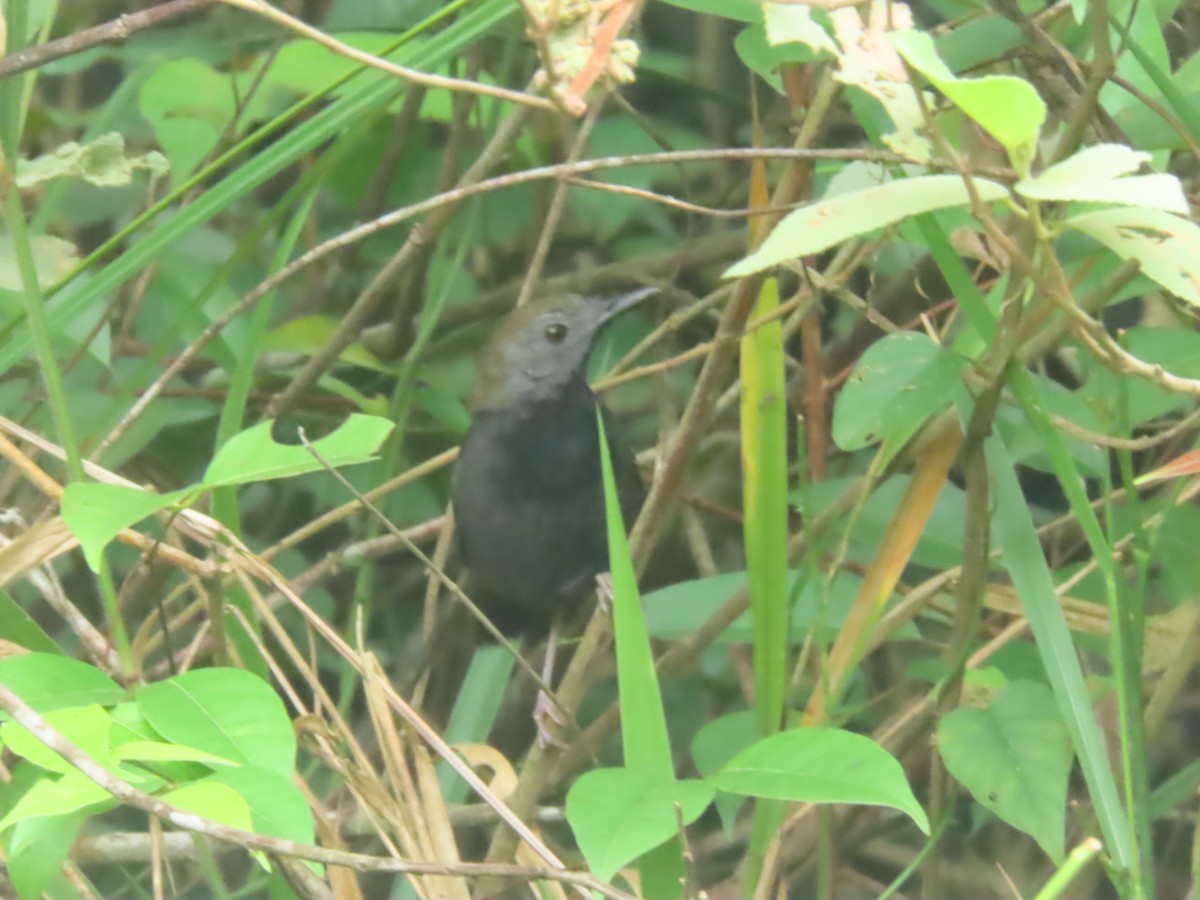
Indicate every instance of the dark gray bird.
{"type": "Point", "coordinates": [527, 492]}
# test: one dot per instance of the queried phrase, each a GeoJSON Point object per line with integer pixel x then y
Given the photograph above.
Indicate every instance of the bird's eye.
{"type": "Point", "coordinates": [556, 333]}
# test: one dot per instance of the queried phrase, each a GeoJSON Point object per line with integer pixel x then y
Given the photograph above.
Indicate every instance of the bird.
{"type": "Point", "coordinates": [527, 490]}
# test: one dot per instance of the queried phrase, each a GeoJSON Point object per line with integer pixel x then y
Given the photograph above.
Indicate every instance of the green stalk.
{"type": "Point", "coordinates": [1021, 552]}
{"type": "Point", "coordinates": [764, 481]}
{"type": "Point", "coordinates": [764, 478]}
{"type": "Point", "coordinates": [1123, 656]}
{"type": "Point", "coordinates": [645, 742]}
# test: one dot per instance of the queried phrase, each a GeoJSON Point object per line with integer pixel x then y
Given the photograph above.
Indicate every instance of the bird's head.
{"type": "Point", "coordinates": [541, 346]}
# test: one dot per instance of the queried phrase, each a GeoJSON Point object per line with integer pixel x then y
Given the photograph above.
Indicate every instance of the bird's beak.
{"type": "Point", "coordinates": [618, 303]}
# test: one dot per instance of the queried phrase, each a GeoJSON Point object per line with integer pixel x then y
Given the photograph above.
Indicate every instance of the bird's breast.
{"type": "Point", "coordinates": [536, 451]}
{"type": "Point", "coordinates": [528, 501]}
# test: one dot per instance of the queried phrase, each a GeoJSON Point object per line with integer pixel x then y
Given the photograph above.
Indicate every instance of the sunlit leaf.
{"type": "Point", "coordinates": [822, 225]}
{"type": "Point", "coordinates": [821, 765]}
{"type": "Point", "coordinates": [97, 512]}
{"type": "Point", "coordinates": [618, 814]}
{"type": "Point", "coordinates": [1014, 756]}
{"type": "Point", "coordinates": [253, 455]}
{"type": "Point", "coordinates": [1166, 247]}
{"type": "Point", "coordinates": [1007, 107]}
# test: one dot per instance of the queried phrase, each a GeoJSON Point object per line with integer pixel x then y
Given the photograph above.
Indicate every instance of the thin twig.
{"type": "Point", "coordinates": [1136, 445]}
{"type": "Point", "coordinates": [279, 17]}
{"type": "Point", "coordinates": [112, 32]}
{"type": "Point", "coordinates": [333, 516]}
{"type": "Point", "coordinates": [684, 205]}
{"type": "Point", "coordinates": [558, 202]}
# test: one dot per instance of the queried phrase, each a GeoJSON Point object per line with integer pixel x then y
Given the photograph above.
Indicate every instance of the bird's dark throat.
{"type": "Point", "coordinates": [552, 442]}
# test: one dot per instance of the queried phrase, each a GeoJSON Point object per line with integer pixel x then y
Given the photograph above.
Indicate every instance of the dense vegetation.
{"type": "Point", "coordinates": [916, 407]}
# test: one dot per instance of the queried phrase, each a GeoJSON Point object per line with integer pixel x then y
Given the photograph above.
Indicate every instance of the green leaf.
{"type": "Point", "coordinates": [253, 456]}
{"type": "Point", "coordinates": [822, 225]}
{"type": "Point", "coordinates": [716, 743]}
{"type": "Point", "coordinates": [643, 723]}
{"type": "Point", "coordinates": [444, 406]}
{"type": "Point", "coordinates": [53, 258]}
{"type": "Point", "coordinates": [188, 104]}
{"type": "Point", "coordinates": [821, 765]}
{"type": "Point", "coordinates": [20, 628]}
{"type": "Point", "coordinates": [48, 682]}
{"type": "Point", "coordinates": [96, 513]}
{"type": "Point", "coordinates": [1166, 247]}
{"type": "Point", "coordinates": [1099, 174]}
{"type": "Point", "coordinates": [277, 807]}
{"type": "Point", "coordinates": [898, 383]}
{"type": "Point", "coordinates": [101, 162]}
{"type": "Point", "coordinates": [940, 545]}
{"type": "Point", "coordinates": [1175, 553]}
{"type": "Point", "coordinates": [644, 738]}
{"type": "Point", "coordinates": [1008, 108]}
{"type": "Point", "coordinates": [1144, 62]}
{"type": "Point", "coordinates": [86, 727]}
{"type": "Point", "coordinates": [306, 67]}
{"type": "Point", "coordinates": [1021, 553]}
{"type": "Point", "coordinates": [227, 712]}
{"type": "Point", "coordinates": [977, 40]}
{"type": "Point", "coordinates": [1177, 350]}
{"type": "Point", "coordinates": [765, 59]}
{"type": "Point", "coordinates": [795, 24]}
{"type": "Point", "coordinates": [675, 611]}
{"type": "Point", "coordinates": [1148, 130]}
{"type": "Point", "coordinates": [371, 405]}
{"type": "Point", "coordinates": [129, 726]}
{"type": "Point", "coordinates": [1026, 445]}
{"type": "Point", "coordinates": [308, 334]}
{"type": "Point", "coordinates": [618, 814]}
{"type": "Point", "coordinates": [35, 850]}
{"type": "Point", "coordinates": [212, 800]}
{"type": "Point", "coordinates": [70, 793]}
{"type": "Point", "coordinates": [157, 751]}
{"type": "Point", "coordinates": [1014, 756]}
